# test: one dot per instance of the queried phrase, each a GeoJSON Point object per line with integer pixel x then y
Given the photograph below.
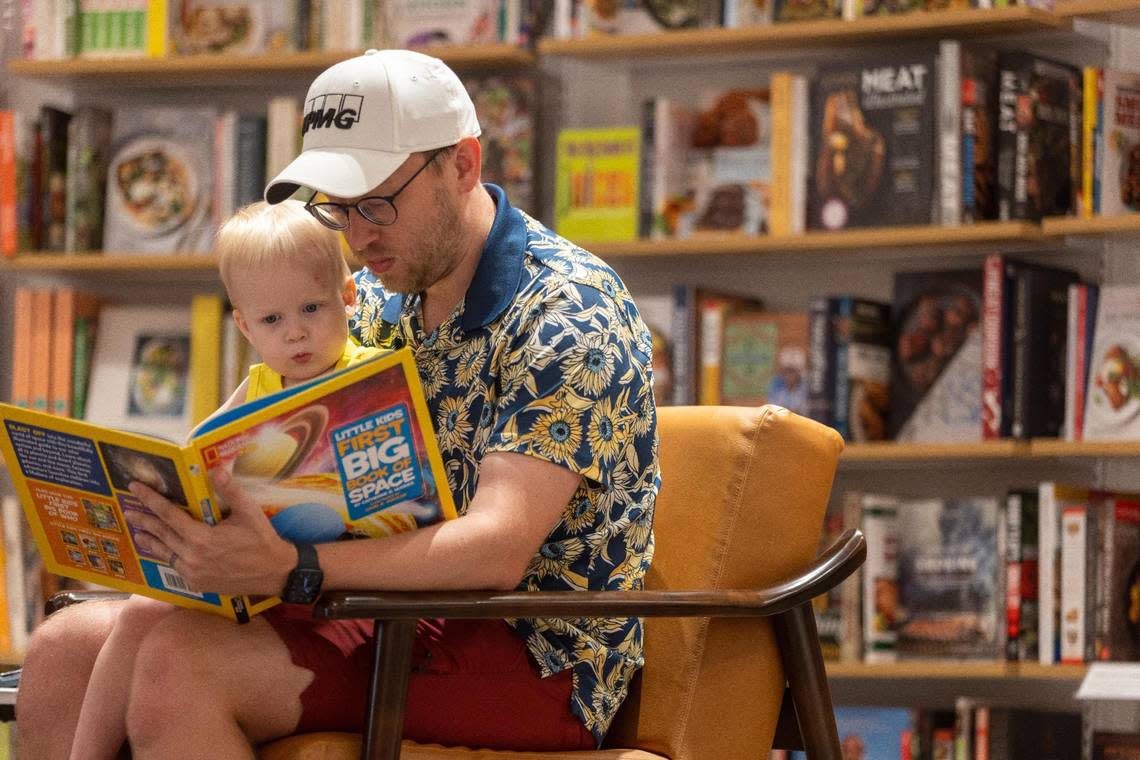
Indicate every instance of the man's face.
{"type": "Point", "coordinates": [423, 244]}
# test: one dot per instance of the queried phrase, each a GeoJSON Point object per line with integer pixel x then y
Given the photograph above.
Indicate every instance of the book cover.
{"type": "Point", "coordinates": [140, 371]}
{"type": "Point", "coordinates": [880, 578]}
{"type": "Point", "coordinates": [1021, 567]}
{"type": "Point", "coordinates": [730, 165]}
{"type": "Point", "coordinates": [764, 360]}
{"type": "Point", "coordinates": [873, 132]}
{"type": "Point", "coordinates": [936, 375]}
{"type": "Point", "coordinates": [874, 732]}
{"type": "Point", "coordinates": [160, 181]}
{"type": "Point", "coordinates": [1116, 624]}
{"type": "Point", "coordinates": [596, 184]}
{"type": "Point", "coordinates": [805, 10]}
{"type": "Point", "coordinates": [1112, 399]}
{"type": "Point", "coordinates": [861, 361]}
{"type": "Point", "coordinates": [232, 26]}
{"type": "Point", "coordinates": [88, 147]}
{"type": "Point", "coordinates": [507, 107]}
{"type": "Point", "coordinates": [53, 178]}
{"type": "Point", "coordinates": [1120, 181]}
{"type": "Point", "coordinates": [949, 578]}
{"type": "Point", "coordinates": [1035, 150]}
{"type": "Point", "coordinates": [666, 133]}
{"type": "Point", "coordinates": [648, 16]}
{"type": "Point", "coordinates": [346, 455]}
{"type": "Point", "coordinates": [422, 23]}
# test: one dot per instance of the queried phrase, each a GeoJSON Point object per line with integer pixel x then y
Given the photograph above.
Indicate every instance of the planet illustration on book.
{"type": "Point", "coordinates": [308, 523]}
{"type": "Point", "coordinates": [276, 451]}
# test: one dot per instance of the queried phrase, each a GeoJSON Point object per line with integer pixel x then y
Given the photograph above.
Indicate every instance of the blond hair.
{"type": "Point", "coordinates": [282, 235]}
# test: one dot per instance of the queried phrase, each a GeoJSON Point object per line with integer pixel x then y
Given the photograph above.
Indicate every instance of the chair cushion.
{"type": "Point", "coordinates": [337, 746]}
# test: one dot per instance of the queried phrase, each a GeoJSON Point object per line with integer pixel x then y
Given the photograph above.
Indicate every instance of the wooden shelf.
{"type": "Point", "coordinates": [199, 69]}
{"type": "Point", "coordinates": [809, 34]}
{"type": "Point", "coordinates": [941, 669]}
{"type": "Point", "coordinates": [1098, 225]}
{"type": "Point", "coordinates": [54, 262]}
{"type": "Point", "coordinates": [888, 451]}
{"type": "Point", "coordinates": [1002, 450]}
{"type": "Point", "coordinates": [854, 241]}
{"type": "Point", "coordinates": [1110, 11]}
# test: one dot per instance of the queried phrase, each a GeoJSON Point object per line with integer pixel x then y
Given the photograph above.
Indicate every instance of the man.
{"type": "Point", "coordinates": [536, 366]}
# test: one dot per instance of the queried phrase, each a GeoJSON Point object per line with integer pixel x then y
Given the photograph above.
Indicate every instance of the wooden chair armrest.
{"type": "Point", "coordinates": [67, 598]}
{"type": "Point", "coordinates": [829, 569]}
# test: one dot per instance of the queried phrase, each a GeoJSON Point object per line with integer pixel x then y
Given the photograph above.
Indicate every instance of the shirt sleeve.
{"type": "Point", "coordinates": [574, 379]}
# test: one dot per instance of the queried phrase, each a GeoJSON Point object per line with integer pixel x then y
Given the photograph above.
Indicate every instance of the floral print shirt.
{"type": "Point", "coordinates": [547, 356]}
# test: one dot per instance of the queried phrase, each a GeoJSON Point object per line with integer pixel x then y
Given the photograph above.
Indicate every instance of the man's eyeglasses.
{"type": "Point", "coordinates": [378, 209]}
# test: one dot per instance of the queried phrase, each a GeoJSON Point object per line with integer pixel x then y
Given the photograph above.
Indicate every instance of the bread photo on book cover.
{"type": "Point", "coordinates": [1112, 406]}
{"type": "Point", "coordinates": [232, 26]}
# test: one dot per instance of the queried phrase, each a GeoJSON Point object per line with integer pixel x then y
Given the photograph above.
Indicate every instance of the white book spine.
{"type": "Point", "coordinates": [950, 132]}
{"type": "Point", "coordinates": [800, 149]}
{"type": "Point", "coordinates": [1074, 579]}
{"type": "Point", "coordinates": [880, 579]}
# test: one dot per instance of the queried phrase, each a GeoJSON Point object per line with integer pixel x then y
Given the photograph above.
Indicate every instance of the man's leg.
{"type": "Point", "coordinates": [206, 688]}
{"type": "Point", "coordinates": [102, 726]}
{"type": "Point", "coordinates": [58, 665]}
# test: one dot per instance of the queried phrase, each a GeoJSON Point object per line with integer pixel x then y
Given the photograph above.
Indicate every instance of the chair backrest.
{"type": "Point", "coordinates": [742, 500]}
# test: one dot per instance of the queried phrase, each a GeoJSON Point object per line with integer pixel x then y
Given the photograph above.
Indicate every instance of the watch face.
{"type": "Point", "coordinates": [304, 586]}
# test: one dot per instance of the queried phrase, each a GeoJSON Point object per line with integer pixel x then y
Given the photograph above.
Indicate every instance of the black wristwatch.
{"type": "Point", "coordinates": [303, 585]}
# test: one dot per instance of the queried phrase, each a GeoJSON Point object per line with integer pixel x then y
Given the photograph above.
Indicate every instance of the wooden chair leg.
{"type": "Point", "coordinates": [807, 681]}
{"type": "Point", "coordinates": [388, 690]}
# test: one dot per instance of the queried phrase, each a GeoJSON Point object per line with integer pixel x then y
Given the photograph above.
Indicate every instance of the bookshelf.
{"type": "Point", "coordinates": [917, 242]}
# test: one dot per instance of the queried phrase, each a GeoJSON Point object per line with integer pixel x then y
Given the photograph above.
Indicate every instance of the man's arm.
{"type": "Point", "coordinates": [518, 502]}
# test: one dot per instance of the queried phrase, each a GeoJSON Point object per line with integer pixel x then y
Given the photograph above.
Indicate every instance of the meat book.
{"type": "Point", "coordinates": [346, 455]}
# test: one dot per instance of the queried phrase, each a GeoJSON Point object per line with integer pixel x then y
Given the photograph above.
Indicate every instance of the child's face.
{"type": "Point", "coordinates": [297, 322]}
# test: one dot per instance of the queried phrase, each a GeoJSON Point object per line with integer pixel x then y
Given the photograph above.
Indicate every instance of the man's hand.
{"type": "Point", "coordinates": [241, 555]}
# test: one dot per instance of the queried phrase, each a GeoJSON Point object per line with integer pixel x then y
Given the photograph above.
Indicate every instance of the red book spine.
{"type": "Point", "coordinates": [993, 307]}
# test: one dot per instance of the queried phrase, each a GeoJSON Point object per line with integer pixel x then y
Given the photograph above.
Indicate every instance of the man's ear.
{"type": "Point", "coordinates": [347, 295]}
{"type": "Point", "coordinates": [241, 323]}
{"type": "Point", "coordinates": [468, 162]}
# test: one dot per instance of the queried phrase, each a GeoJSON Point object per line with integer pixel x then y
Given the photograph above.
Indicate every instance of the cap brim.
{"type": "Point", "coordinates": [339, 172]}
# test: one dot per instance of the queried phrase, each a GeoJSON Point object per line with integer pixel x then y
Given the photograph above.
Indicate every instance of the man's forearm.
{"type": "Point", "coordinates": [471, 552]}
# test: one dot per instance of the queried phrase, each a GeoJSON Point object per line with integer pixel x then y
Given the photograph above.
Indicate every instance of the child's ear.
{"type": "Point", "coordinates": [347, 295]}
{"type": "Point", "coordinates": [241, 323]}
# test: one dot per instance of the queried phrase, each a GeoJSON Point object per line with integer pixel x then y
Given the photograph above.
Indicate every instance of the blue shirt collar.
{"type": "Point", "coordinates": [497, 277]}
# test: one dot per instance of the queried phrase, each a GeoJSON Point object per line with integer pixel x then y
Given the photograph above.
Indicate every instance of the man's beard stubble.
{"type": "Point", "coordinates": [434, 254]}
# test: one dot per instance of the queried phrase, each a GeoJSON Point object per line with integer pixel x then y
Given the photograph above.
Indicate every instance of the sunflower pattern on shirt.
{"type": "Point", "coordinates": [562, 373]}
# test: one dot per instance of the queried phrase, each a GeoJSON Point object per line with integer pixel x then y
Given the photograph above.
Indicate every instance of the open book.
{"type": "Point", "coordinates": [345, 455]}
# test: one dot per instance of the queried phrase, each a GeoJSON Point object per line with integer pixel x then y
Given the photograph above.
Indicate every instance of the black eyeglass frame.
{"type": "Point", "coordinates": [312, 208]}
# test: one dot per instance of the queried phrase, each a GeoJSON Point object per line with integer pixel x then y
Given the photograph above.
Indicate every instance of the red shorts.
{"type": "Point", "coordinates": [472, 683]}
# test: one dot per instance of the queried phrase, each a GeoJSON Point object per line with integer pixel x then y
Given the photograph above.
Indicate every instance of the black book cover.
{"type": "Point", "coordinates": [1035, 149]}
{"type": "Point", "coordinates": [873, 132]}
{"type": "Point", "coordinates": [1040, 324]}
{"type": "Point", "coordinates": [53, 187]}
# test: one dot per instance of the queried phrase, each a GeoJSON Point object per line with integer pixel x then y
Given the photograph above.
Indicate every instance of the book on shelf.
{"type": "Point", "coordinates": [1039, 110]}
{"type": "Point", "coordinates": [507, 106]}
{"type": "Point", "coordinates": [764, 359]}
{"type": "Point", "coordinates": [1120, 179]}
{"type": "Point", "coordinates": [9, 215]}
{"type": "Point", "coordinates": [936, 378]}
{"type": "Point", "coordinates": [1024, 341]}
{"type": "Point", "coordinates": [596, 184]}
{"type": "Point", "coordinates": [70, 307]}
{"type": "Point", "coordinates": [640, 17]}
{"type": "Point", "coordinates": [1021, 573]}
{"type": "Point", "coordinates": [979, 131]}
{"type": "Point", "coordinates": [697, 333]}
{"type": "Point", "coordinates": [729, 164]}
{"type": "Point", "coordinates": [160, 181]}
{"type": "Point", "coordinates": [805, 10]}
{"type": "Point", "coordinates": [350, 454]}
{"type": "Point", "coordinates": [950, 578]}
{"type": "Point", "coordinates": [790, 145]}
{"type": "Point", "coordinates": [666, 136]}
{"type": "Point", "coordinates": [241, 27]}
{"type": "Point", "coordinates": [880, 578]}
{"type": "Point", "coordinates": [1112, 397]}
{"type": "Point", "coordinates": [873, 132]}
{"type": "Point", "coordinates": [88, 151]}
{"type": "Point", "coordinates": [1080, 330]}
{"type": "Point", "coordinates": [53, 178]}
{"type": "Point", "coordinates": [422, 23]}
{"type": "Point", "coordinates": [125, 28]}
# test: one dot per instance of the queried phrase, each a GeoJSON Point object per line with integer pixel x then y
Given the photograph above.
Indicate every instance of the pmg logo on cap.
{"type": "Point", "coordinates": [333, 109]}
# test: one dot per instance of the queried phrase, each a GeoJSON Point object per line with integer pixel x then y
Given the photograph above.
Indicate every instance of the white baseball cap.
{"type": "Point", "coordinates": [365, 116]}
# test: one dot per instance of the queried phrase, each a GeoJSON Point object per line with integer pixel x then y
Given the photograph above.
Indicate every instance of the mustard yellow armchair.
{"type": "Point", "coordinates": [732, 658]}
{"type": "Point", "coordinates": [733, 664]}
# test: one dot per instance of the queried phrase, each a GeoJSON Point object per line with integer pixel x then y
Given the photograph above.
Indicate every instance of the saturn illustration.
{"type": "Point", "coordinates": [275, 452]}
